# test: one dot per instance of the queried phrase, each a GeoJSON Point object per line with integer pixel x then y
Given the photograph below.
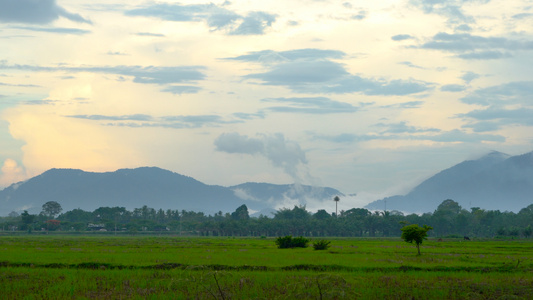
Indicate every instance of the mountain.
{"type": "Point", "coordinates": [133, 188]}
{"type": "Point", "coordinates": [496, 181]}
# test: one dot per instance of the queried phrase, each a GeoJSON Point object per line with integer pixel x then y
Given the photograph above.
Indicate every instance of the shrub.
{"type": "Point", "coordinates": [290, 242]}
{"type": "Point", "coordinates": [321, 245]}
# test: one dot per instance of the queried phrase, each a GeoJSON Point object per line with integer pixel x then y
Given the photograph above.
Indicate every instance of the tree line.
{"type": "Point", "coordinates": [448, 220]}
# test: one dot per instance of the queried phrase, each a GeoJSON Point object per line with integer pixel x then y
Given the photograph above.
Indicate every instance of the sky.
{"type": "Point", "coordinates": [368, 97]}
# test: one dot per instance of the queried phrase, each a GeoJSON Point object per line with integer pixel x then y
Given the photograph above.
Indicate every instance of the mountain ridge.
{"type": "Point", "coordinates": [133, 188]}
{"type": "Point", "coordinates": [495, 181]}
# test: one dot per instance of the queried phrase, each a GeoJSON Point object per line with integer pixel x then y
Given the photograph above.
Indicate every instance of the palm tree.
{"type": "Point", "coordinates": [336, 199]}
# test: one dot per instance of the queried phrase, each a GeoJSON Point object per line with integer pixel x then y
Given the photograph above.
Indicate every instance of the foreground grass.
{"type": "Point", "coordinates": [188, 268]}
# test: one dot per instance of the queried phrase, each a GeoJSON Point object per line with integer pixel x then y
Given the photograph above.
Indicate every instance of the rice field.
{"type": "Point", "coordinates": [125, 267]}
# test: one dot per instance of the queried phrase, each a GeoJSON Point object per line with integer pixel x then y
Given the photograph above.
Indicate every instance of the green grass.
{"type": "Point", "coordinates": [103, 267]}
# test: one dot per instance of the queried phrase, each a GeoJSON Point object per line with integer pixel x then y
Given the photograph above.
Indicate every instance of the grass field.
{"type": "Point", "coordinates": [104, 267]}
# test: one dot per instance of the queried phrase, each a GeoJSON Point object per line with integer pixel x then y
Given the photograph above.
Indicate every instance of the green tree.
{"type": "Point", "coordinates": [27, 219]}
{"type": "Point", "coordinates": [51, 209]}
{"type": "Point", "coordinates": [414, 233]}
{"type": "Point", "coordinates": [241, 213]}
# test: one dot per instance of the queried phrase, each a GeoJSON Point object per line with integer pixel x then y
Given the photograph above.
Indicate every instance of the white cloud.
{"type": "Point", "coordinates": [11, 172]}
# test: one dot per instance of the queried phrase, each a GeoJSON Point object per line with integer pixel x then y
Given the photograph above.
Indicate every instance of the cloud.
{"type": "Point", "coordinates": [149, 74]}
{"type": "Point", "coordinates": [494, 118]}
{"type": "Point", "coordinates": [469, 76]}
{"type": "Point", "coordinates": [54, 30]}
{"type": "Point", "coordinates": [137, 117]}
{"type": "Point", "coordinates": [402, 127]}
{"type": "Point", "coordinates": [452, 88]}
{"type": "Point", "coordinates": [182, 89]}
{"type": "Point", "coordinates": [412, 133]}
{"type": "Point", "coordinates": [485, 55]}
{"type": "Point", "coordinates": [11, 172]}
{"type": "Point", "coordinates": [308, 54]}
{"type": "Point", "coordinates": [450, 9]}
{"type": "Point", "coordinates": [249, 116]}
{"type": "Point", "coordinates": [410, 65]}
{"type": "Point", "coordinates": [522, 16]}
{"type": "Point", "coordinates": [217, 18]}
{"type": "Point", "coordinates": [311, 105]}
{"type": "Point", "coordinates": [174, 122]}
{"type": "Point", "coordinates": [255, 23]}
{"type": "Point", "coordinates": [279, 151]}
{"type": "Point", "coordinates": [517, 92]}
{"type": "Point", "coordinates": [505, 104]}
{"type": "Point", "coordinates": [401, 37]}
{"type": "Point", "coordinates": [150, 34]}
{"type": "Point", "coordinates": [35, 12]}
{"type": "Point", "coordinates": [18, 85]}
{"type": "Point", "coordinates": [361, 15]}
{"type": "Point", "coordinates": [313, 75]}
{"type": "Point", "coordinates": [469, 46]}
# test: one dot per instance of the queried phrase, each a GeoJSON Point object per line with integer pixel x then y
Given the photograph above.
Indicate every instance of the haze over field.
{"type": "Point", "coordinates": [367, 97]}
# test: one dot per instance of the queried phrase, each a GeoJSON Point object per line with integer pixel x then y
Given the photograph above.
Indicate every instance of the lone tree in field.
{"type": "Point", "coordinates": [51, 209]}
{"type": "Point", "coordinates": [414, 233]}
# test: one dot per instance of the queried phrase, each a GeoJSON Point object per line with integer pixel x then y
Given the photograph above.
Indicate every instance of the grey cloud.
{"type": "Point", "coordinates": [116, 53]}
{"type": "Point", "coordinates": [136, 117]}
{"type": "Point", "coordinates": [469, 46]}
{"type": "Point", "coordinates": [494, 118]}
{"type": "Point", "coordinates": [453, 136]}
{"type": "Point", "coordinates": [483, 126]}
{"type": "Point", "coordinates": [401, 37]}
{"type": "Point", "coordinates": [54, 30]}
{"type": "Point", "coordinates": [360, 16]}
{"type": "Point", "coordinates": [518, 92]}
{"type": "Point", "coordinates": [506, 104]}
{"type": "Point", "coordinates": [279, 151]}
{"type": "Point", "coordinates": [450, 9]}
{"type": "Point", "coordinates": [311, 105]}
{"type": "Point", "coordinates": [236, 143]}
{"type": "Point", "coordinates": [522, 16]}
{"type": "Point", "coordinates": [35, 12]}
{"type": "Point", "coordinates": [142, 120]}
{"type": "Point", "coordinates": [452, 88]}
{"type": "Point", "coordinates": [254, 23]}
{"type": "Point", "coordinates": [469, 76]}
{"type": "Point", "coordinates": [464, 28]}
{"type": "Point", "coordinates": [410, 65]}
{"type": "Point", "coordinates": [18, 85]}
{"type": "Point", "coordinates": [249, 116]}
{"type": "Point", "coordinates": [297, 73]}
{"type": "Point", "coordinates": [460, 136]}
{"type": "Point", "coordinates": [150, 74]}
{"type": "Point", "coordinates": [485, 55]}
{"type": "Point", "coordinates": [402, 127]}
{"type": "Point", "coordinates": [216, 17]}
{"type": "Point", "coordinates": [522, 114]}
{"type": "Point", "coordinates": [324, 76]}
{"type": "Point", "coordinates": [291, 55]}
{"type": "Point", "coordinates": [409, 104]}
{"type": "Point", "coordinates": [150, 34]}
{"type": "Point", "coordinates": [182, 89]}
{"type": "Point", "coordinates": [465, 41]}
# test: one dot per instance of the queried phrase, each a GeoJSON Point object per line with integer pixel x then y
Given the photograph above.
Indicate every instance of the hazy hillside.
{"type": "Point", "coordinates": [133, 188]}
{"type": "Point", "coordinates": [495, 182]}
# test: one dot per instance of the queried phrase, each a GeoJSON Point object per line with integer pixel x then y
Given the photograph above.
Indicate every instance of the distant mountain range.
{"type": "Point", "coordinates": [496, 181]}
{"type": "Point", "coordinates": [151, 186]}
